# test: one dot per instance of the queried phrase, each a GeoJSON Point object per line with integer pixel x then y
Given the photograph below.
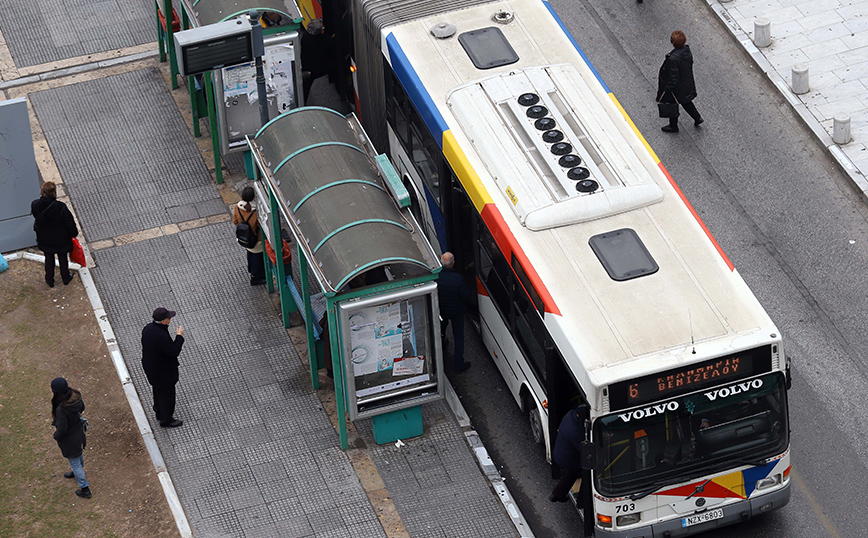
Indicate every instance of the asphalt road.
{"type": "Point", "coordinates": [786, 217]}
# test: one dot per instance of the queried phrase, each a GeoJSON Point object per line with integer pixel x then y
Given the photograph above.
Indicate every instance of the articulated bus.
{"type": "Point", "coordinates": [599, 287]}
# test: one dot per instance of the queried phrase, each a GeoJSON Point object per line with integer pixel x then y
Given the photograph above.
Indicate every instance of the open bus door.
{"type": "Point", "coordinates": [564, 395]}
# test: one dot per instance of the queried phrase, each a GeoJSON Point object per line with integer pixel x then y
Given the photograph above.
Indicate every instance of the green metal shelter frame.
{"type": "Point", "coordinates": [197, 13]}
{"type": "Point", "coordinates": [322, 180]}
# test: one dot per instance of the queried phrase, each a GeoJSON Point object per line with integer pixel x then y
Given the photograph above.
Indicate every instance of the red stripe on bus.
{"type": "Point", "coordinates": [696, 216]}
{"type": "Point", "coordinates": [509, 245]}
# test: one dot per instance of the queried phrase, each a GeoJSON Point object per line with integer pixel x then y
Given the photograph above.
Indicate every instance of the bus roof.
{"type": "Point", "coordinates": [695, 305]}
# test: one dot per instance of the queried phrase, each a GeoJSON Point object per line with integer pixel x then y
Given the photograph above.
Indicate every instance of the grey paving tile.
{"type": "Point", "coordinates": [297, 527]}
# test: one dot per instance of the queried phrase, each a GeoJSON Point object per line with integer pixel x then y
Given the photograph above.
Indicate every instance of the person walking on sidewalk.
{"type": "Point", "coordinates": [160, 362]}
{"type": "Point", "coordinates": [66, 409]}
{"type": "Point", "coordinates": [453, 296]}
{"type": "Point", "coordinates": [55, 228]}
{"type": "Point", "coordinates": [244, 211]}
{"type": "Point", "coordinates": [675, 82]}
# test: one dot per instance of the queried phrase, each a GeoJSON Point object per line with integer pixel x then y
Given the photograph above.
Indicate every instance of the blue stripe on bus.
{"type": "Point", "coordinates": [576, 45]}
{"type": "Point", "coordinates": [416, 91]}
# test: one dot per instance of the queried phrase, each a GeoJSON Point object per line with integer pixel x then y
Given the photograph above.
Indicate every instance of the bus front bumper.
{"type": "Point", "coordinates": [732, 513]}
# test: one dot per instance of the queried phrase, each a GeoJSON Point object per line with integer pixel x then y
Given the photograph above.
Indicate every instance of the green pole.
{"type": "Point", "coordinates": [337, 368]}
{"type": "Point", "coordinates": [160, 36]}
{"type": "Point", "coordinates": [308, 316]}
{"type": "Point", "coordinates": [170, 41]}
{"type": "Point", "coordinates": [285, 297]}
{"type": "Point", "coordinates": [215, 136]}
{"type": "Point", "coordinates": [191, 84]}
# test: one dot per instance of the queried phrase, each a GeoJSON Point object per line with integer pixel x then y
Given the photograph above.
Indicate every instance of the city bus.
{"type": "Point", "coordinates": [600, 289]}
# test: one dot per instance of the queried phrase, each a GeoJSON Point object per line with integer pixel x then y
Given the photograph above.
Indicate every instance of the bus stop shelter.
{"type": "Point", "coordinates": [374, 270]}
{"type": "Point", "coordinates": [227, 96]}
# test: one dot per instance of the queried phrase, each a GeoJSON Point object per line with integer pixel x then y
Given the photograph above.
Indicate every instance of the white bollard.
{"type": "Point", "coordinates": [800, 79]}
{"type": "Point", "coordinates": [762, 32]}
{"type": "Point", "coordinates": [841, 128]}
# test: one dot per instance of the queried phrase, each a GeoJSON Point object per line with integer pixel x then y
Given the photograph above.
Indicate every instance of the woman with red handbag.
{"type": "Point", "coordinates": [55, 228]}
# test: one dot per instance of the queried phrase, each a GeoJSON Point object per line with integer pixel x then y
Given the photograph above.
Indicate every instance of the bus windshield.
{"type": "Point", "coordinates": [694, 435]}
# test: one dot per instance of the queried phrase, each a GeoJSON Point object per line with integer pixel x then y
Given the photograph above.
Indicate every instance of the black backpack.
{"type": "Point", "coordinates": [245, 234]}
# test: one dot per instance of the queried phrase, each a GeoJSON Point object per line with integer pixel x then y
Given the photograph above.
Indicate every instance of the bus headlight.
{"type": "Point", "coordinates": [628, 519]}
{"type": "Point", "coordinates": [768, 482]}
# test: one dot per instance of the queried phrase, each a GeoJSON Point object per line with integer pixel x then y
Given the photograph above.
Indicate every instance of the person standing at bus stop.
{"type": "Point", "coordinates": [675, 82]}
{"type": "Point", "coordinates": [160, 362]}
{"type": "Point", "coordinates": [245, 211]}
{"type": "Point", "coordinates": [454, 295]}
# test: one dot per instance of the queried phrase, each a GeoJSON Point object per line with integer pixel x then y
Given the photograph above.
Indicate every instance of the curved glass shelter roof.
{"type": "Point", "coordinates": [322, 170]}
{"type": "Point", "coordinates": [204, 12]}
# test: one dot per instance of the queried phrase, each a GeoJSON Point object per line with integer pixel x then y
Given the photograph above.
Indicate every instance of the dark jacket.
{"type": "Point", "coordinates": [54, 225]}
{"type": "Point", "coordinates": [675, 80]}
{"type": "Point", "coordinates": [68, 431]}
{"type": "Point", "coordinates": [160, 354]}
{"type": "Point", "coordinates": [571, 433]}
{"type": "Point", "coordinates": [452, 292]}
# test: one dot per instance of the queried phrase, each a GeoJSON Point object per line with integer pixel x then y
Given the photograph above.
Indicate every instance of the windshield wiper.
{"type": "Point", "coordinates": [755, 463]}
{"type": "Point", "coordinates": [649, 491]}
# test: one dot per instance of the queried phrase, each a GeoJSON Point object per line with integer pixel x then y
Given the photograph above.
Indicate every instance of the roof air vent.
{"type": "Point", "coordinates": [443, 30]}
{"type": "Point", "coordinates": [578, 173]}
{"type": "Point", "coordinates": [544, 124]}
{"type": "Point", "coordinates": [569, 161]}
{"type": "Point", "coordinates": [527, 99]}
{"type": "Point", "coordinates": [561, 148]}
{"type": "Point", "coordinates": [587, 185]}
{"type": "Point", "coordinates": [537, 111]}
{"type": "Point", "coordinates": [550, 137]}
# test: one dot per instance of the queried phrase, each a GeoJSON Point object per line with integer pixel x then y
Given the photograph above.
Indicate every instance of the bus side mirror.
{"type": "Point", "coordinates": [789, 375]}
{"type": "Point", "coordinates": [588, 453]}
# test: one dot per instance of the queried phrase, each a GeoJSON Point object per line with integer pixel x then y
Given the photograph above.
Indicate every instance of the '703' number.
{"type": "Point", "coordinates": [624, 508]}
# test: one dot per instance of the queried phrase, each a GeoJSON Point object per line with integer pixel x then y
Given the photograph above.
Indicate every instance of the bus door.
{"type": "Point", "coordinates": [564, 395]}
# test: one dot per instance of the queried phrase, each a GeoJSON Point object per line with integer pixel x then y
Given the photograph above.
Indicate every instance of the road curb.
{"type": "Point", "coordinates": [485, 463]}
{"type": "Point", "coordinates": [847, 166]}
{"type": "Point", "coordinates": [129, 390]}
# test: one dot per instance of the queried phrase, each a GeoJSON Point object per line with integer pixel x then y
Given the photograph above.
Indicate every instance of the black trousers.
{"type": "Point", "coordinates": [164, 403]}
{"type": "Point", "coordinates": [688, 107]}
{"type": "Point", "coordinates": [255, 266]}
{"type": "Point", "coordinates": [566, 483]}
{"type": "Point", "coordinates": [63, 262]}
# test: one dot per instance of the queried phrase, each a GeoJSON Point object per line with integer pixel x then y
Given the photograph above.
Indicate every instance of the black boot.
{"type": "Point", "coordinates": [84, 492]}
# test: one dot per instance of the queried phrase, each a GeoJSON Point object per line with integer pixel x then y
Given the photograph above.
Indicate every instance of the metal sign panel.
{"type": "Point", "coordinates": [211, 47]}
{"type": "Point", "coordinates": [391, 350]}
{"type": "Point", "coordinates": [238, 101]}
{"type": "Point", "coordinates": [19, 177]}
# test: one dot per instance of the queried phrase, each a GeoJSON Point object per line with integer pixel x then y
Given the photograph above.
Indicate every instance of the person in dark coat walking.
{"type": "Point", "coordinates": [66, 409]}
{"type": "Point", "coordinates": [55, 228]}
{"type": "Point", "coordinates": [160, 362]}
{"type": "Point", "coordinates": [453, 296]}
{"type": "Point", "coordinates": [675, 82]}
{"type": "Point", "coordinates": [567, 453]}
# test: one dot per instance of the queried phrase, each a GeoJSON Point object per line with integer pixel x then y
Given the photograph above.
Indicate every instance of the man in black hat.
{"type": "Point", "coordinates": [160, 362]}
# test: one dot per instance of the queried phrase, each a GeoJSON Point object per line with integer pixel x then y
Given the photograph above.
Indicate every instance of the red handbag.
{"type": "Point", "coordinates": [76, 255]}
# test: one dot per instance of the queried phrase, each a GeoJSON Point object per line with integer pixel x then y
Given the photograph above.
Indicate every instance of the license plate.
{"type": "Point", "coordinates": [704, 517]}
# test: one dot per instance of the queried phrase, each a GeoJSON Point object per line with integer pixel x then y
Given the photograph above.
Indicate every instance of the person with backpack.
{"type": "Point", "coordinates": [69, 428]}
{"type": "Point", "coordinates": [55, 228]}
{"type": "Point", "coordinates": [249, 236]}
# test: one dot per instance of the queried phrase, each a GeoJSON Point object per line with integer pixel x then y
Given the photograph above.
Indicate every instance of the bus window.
{"type": "Point", "coordinates": [397, 105]}
{"type": "Point", "coordinates": [494, 271]}
{"type": "Point", "coordinates": [425, 155]}
{"type": "Point", "coordinates": [530, 332]}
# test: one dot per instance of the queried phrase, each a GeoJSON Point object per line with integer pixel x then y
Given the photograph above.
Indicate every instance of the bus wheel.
{"type": "Point", "coordinates": [536, 427]}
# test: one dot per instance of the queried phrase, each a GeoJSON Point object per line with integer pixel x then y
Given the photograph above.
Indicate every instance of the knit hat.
{"type": "Point", "coordinates": [59, 386]}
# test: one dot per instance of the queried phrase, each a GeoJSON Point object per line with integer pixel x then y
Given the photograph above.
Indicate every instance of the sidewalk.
{"type": "Point", "coordinates": [830, 37]}
{"type": "Point", "coordinates": [258, 455]}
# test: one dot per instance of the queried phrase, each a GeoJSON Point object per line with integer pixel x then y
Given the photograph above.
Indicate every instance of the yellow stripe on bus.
{"type": "Point", "coordinates": [635, 130]}
{"type": "Point", "coordinates": [462, 168]}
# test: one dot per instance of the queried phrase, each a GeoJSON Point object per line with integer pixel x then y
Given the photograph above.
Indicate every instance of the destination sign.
{"type": "Point", "coordinates": [686, 379]}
